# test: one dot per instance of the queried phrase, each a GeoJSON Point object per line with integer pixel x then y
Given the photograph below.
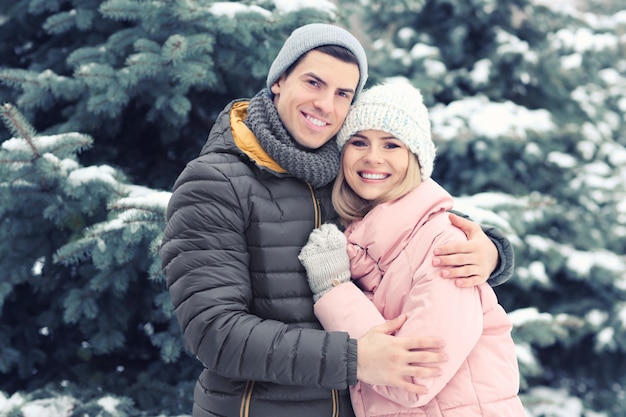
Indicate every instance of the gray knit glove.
{"type": "Point", "coordinates": [325, 259]}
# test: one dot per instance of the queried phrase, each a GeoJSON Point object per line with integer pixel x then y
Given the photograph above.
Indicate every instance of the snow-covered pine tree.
{"type": "Point", "coordinates": [527, 103]}
{"type": "Point", "coordinates": [82, 296]}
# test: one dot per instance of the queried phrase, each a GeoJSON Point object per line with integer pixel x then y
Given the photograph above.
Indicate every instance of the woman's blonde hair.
{"type": "Point", "coordinates": [350, 206]}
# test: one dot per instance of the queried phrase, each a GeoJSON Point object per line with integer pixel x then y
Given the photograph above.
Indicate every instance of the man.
{"type": "Point", "coordinates": [237, 219]}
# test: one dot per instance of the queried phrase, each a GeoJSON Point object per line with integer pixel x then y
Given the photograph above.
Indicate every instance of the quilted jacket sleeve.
{"type": "Point", "coordinates": [204, 254]}
{"type": "Point", "coordinates": [504, 271]}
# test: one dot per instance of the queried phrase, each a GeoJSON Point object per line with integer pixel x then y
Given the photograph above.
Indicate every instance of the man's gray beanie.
{"type": "Point", "coordinates": [311, 36]}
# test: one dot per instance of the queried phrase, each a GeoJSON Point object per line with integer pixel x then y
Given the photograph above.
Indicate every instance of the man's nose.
{"type": "Point", "coordinates": [324, 102]}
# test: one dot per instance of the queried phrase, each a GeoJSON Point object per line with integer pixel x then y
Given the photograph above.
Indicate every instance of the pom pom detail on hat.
{"type": "Point", "coordinates": [309, 37]}
{"type": "Point", "coordinates": [398, 109]}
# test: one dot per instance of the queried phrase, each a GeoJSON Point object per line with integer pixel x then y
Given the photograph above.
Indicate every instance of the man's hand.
{"type": "Point", "coordinates": [470, 263]}
{"type": "Point", "coordinates": [384, 359]}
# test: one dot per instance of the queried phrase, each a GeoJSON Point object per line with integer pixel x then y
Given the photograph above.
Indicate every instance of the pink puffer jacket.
{"type": "Point", "coordinates": [396, 241]}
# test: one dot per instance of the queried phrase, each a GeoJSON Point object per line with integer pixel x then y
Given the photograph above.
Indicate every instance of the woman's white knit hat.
{"type": "Point", "coordinates": [311, 36]}
{"type": "Point", "coordinates": [398, 109]}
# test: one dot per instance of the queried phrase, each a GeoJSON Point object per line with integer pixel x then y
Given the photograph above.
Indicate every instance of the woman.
{"type": "Point", "coordinates": [395, 214]}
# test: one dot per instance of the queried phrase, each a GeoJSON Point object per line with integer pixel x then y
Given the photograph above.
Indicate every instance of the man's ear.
{"type": "Point", "coordinates": [276, 86]}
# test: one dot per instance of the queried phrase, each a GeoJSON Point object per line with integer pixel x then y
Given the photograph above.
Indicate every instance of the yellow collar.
{"type": "Point", "coordinates": [247, 141]}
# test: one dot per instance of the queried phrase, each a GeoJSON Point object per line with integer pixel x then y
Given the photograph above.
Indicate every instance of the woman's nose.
{"type": "Point", "coordinates": [373, 156]}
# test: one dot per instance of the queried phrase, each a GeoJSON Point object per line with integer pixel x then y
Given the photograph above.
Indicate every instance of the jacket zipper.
{"type": "Point", "coordinates": [318, 222]}
{"type": "Point", "coordinates": [244, 410]}
{"type": "Point", "coordinates": [316, 207]}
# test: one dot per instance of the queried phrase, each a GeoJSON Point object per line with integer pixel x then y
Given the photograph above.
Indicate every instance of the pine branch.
{"type": "Point", "coordinates": [121, 9]}
{"type": "Point", "coordinates": [18, 78]}
{"type": "Point", "coordinates": [60, 22]}
{"type": "Point", "coordinates": [17, 124]}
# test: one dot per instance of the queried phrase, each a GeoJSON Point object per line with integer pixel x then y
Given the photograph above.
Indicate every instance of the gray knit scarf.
{"type": "Point", "coordinates": [318, 167]}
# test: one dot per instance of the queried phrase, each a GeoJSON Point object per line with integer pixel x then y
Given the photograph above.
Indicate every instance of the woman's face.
{"type": "Point", "coordinates": [374, 162]}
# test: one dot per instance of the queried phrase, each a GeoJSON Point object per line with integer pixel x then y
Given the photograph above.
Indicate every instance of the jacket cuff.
{"type": "Point", "coordinates": [352, 362]}
{"type": "Point", "coordinates": [506, 256]}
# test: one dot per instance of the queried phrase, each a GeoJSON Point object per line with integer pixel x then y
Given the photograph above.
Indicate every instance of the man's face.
{"type": "Point", "coordinates": [314, 99]}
